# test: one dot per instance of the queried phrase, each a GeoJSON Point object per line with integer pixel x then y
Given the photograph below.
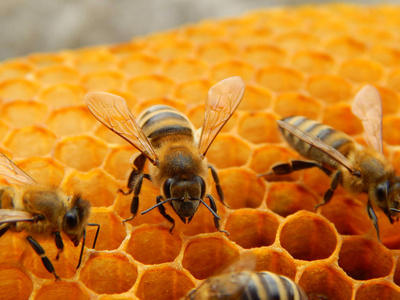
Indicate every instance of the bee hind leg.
{"type": "Point", "coordinates": [218, 186]}
{"type": "Point", "coordinates": [216, 220]}
{"type": "Point", "coordinates": [46, 261]}
{"type": "Point", "coordinates": [162, 211]}
{"type": "Point", "coordinates": [293, 166]}
{"type": "Point", "coordinates": [337, 178]}
{"type": "Point", "coordinates": [374, 219]}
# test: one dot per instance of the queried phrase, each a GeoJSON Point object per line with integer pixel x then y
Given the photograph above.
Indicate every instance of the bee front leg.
{"type": "Point", "coordinates": [162, 211]}
{"type": "Point", "coordinates": [337, 178]}
{"type": "Point", "coordinates": [59, 243]}
{"type": "Point", "coordinates": [46, 261]}
{"type": "Point", "coordinates": [218, 186]}
{"type": "Point", "coordinates": [214, 208]}
{"type": "Point", "coordinates": [374, 219]}
{"type": "Point", "coordinates": [135, 199]}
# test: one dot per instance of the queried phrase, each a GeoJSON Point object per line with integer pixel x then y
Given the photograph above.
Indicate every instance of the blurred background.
{"type": "Point", "coordinates": [28, 26]}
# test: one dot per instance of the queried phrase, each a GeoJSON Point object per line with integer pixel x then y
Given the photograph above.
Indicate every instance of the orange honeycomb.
{"type": "Point", "coordinates": [306, 60]}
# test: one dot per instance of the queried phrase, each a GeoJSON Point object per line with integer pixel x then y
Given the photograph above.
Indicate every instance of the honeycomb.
{"type": "Point", "coordinates": [303, 60]}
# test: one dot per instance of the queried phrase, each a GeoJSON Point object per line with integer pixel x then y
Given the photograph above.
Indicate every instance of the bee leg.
{"type": "Point", "coordinates": [329, 193]}
{"type": "Point", "coordinates": [216, 220]}
{"type": "Point", "coordinates": [218, 186]}
{"type": "Point", "coordinates": [374, 219]}
{"type": "Point", "coordinates": [46, 261]}
{"type": "Point", "coordinates": [295, 165]}
{"type": "Point", "coordinates": [162, 211]}
{"type": "Point", "coordinates": [4, 230]}
{"type": "Point", "coordinates": [59, 243]}
{"type": "Point", "coordinates": [139, 163]}
{"type": "Point", "coordinates": [135, 199]}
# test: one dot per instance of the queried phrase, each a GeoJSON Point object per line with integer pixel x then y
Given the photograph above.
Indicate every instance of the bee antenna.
{"type": "Point", "coordinates": [395, 210]}
{"type": "Point", "coordinates": [83, 245]}
{"type": "Point", "coordinates": [209, 208]}
{"type": "Point", "coordinates": [97, 232]}
{"type": "Point", "coordinates": [158, 204]}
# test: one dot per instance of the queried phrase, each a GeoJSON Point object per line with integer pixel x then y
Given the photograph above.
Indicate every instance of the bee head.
{"type": "Point", "coordinates": [387, 197]}
{"type": "Point", "coordinates": [75, 219]}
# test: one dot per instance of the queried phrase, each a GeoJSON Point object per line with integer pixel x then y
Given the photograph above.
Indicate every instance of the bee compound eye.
{"type": "Point", "coordinates": [381, 192]}
{"type": "Point", "coordinates": [167, 187]}
{"type": "Point", "coordinates": [71, 220]}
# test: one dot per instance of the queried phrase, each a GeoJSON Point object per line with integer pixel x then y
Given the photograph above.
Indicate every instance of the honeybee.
{"type": "Point", "coordinates": [239, 281]}
{"type": "Point", "coordinates": [41, 210]}
{"type": "Point", "coordinates": [168, 140]}
{"type": "Point", "coordinates": [358, 169]}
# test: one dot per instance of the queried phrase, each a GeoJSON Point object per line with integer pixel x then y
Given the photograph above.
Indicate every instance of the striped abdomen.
{"type": "Point", "coordinates": [161, 122]}
{"type": "Point", "coordinates": [337, 139]}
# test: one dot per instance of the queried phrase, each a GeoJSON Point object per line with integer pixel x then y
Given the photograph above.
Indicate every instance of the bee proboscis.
{"type": "Point", "coordinates": [168, 140]}
{"type": "Point", "coordinates": [44, 210]}
{"type": "Point", "coordinates": [358, 169]}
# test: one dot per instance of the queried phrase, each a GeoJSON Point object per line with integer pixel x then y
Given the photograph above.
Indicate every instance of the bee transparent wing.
{"type": "Point", "coordinates": [12, 173]}
{"type": "Point", "coordinates": [367, 106]}
{"type": "Point", "coordinates": [223, 99]}
{"type": "Point", "coordinates": [13, 216]}
{"type": "Point", "coordinates": [113, 112]}
{"type": "Point", "coordinates": [320, 145]}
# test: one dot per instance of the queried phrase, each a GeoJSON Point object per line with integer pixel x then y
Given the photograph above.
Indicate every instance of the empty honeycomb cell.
{"type": "Point", "coordinates": [279, 79]}
{"type": "Point", "coordinates": [110, 137]}
{"type": "Point", "coordinates": [165, 283]}
{"type": "Point", "coordinates": [63, 95]}
{"type": "Point", "coordinates": [118, 162]}
{"type": "Point", "coordinates": [260, 35]}
{"type": "Point", "coordinates": [329, 88]}
{"type": "Point", "coordinates": [81, 152]}
{"type": "Point", "coordinates": [296, 40]}
{"type": "Point", "coordinates": [335, 115]}
{"type": "Point", "coordinates": [41, 60]}
{"type": "Point", "coordinates": [175, 103]}
{"type": "Point", "coordinates": [94, 59]}
{"type": "Point", "coordinates": [274, 260]}
{"type": "Point", "coordinates": [313, 62]}
{"type": "Point", "coordinates": [388, 56]}
{"type": "Point", "coordinates": [377, 290]}
{"type": "Point", "coordinates": [95, 185]}
{"type": "Point", "coordinates": [57, 74]}
{"type": "Point", "coordinates": [15, 284]}
{"type": "Point", "coordinates": [153, 244]}
{"type": "Point", "coordinates": [261, 228]}
{"type": "Point", "coordinates": [263, 55]}
{"type": "Point", "coordinates": [286, 198]}
{"type": "Point", "coordinates": [375, 34]}
{"type": "Point", "coordinates": [182, 69]}
{"type": "Point", "coordinates": [3, 130]}
{"type": "Point", "coordinates": [255, 98]}
{"type": "Point", "coordinates": [151, 86]}
{"type": "Point", "coordinates": [203, 255]}
{"type": "Point", "coordinates": [58, 290]}
{"type": "Point", "coordinates": [13, 70]}
{"type": "Point", "coordinates": [71, 121]}
{"type": "Point", "coordinates": [193, 91]}
{"type": "Point", "coordinates": [216, 52]}
{"type": "Point", "coordinates": [324, 282]}
{"type": "Point", "coordinates": [296, 104]}
{"type": "Point", "coordinates": [23, 113]}
{"type": "Point", "coordinates": [204, 32]}
{"type": "Point", "coordinates": [102, 80]}
{"type": "Point", "coordinates": [228, 151]}
{"type": "Point", "coordinates": [44, 170]}
{"type": "Point", "coordinates": [18, 89]}
{"type": "Point", "coordinates": [112, 231]}
{"type": "Point", "coordinates": [390, 136]}
{"type": "Point", "coordinates": [232, 68]}
{"type": "Point", "coordinates": [37, 141]}
{"type": "Point", "coordinates": [259, 127]}
{"type": "Point", "coordinates": [140, 64]}
{"type": "Point", "coordinates": [302, 233]}
{"type": "Point", "coordinates": [252, 189]}
{"type": "Point", "coordinates": [393, 80]}
{"type": "Point", "coordinates": [109, 273]}
{"type": "Point", "coordinates": [390, 233]}
{"type": "Point", "coordinates": [364, 259]}
{"type": "Point", "coordinates": [361, 70]}
{"type": "Point", "coordinates": [318, 182]}
{"type": "Point", "coordinates": [345, 46]}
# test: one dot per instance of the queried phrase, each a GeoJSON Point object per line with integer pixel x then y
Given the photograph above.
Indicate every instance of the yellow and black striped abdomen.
{"type": "Point", "coordinates": [161, 122]}
{"type": "Point", "coordinates": [337, 139]}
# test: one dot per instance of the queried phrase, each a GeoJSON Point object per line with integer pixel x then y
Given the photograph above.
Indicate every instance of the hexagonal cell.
{"type": "Point", "coordinates": [15, 284]}
{"type": "Point", "coordinates": [261, 54]}
{"type": "Point", "coordinates": [259, 127]}
{"type": "Point", "coordinates": [23, 113]}
{"type": "Point", "coordinates": [390, 101]}
{"type": "Point", "coordinates": [103, 80]}
{"type": "Point", "coordinates": [12, 70]}
{"type": "Point", "coordinates": [153, 244]}
{"type": "Point", "coordinates": [212, 251]}
{"type": "Point", "coordinates": [118, 163]}
{"type": "Point", "coordinates": [361, 70]}
{"type": "Point", "coordinates": [3, 130]}
{"type": "Point", "coordinates": [96, 186]}
{"type": "Point", "coordinates": [63, 95]}
{"type": "Point", "coordinates": [377, 290]}
{"type": "Point", "coordinates": [216, 52]}
{"type": "Point", "coordinates": [241, 188]}
{"type": "Point", "coordinates": [232, 68]}
{"type": "Point", "coordinates": [317, 181]}
{"type": "Point", "coordinates": [255, 98]}
{"type": "Point", "coordinates": [41, 60]}
{"type": "Point", "coordinates": [94, 59]}
{"type": "Point", "coordinates": [57, 74]}
{"type": "Point", "coordinates": [375, 35]}
{"type": "Point", "coordinates": [203, 32]}
{"type": "Point", "coordinates": [302, 233]}
{"type": "Point", "coordinates": [81, 152]}
{"type": "Point", "coordinates": [386, 55]}
{"type": "Point", "coordinates": [329, 88]}
{"type": "Point", "coordinates": [392, 137]}
{"type": "Point", "coordinates": [18, 89]}
{"type": "Point", "coordinates": [335, 114]}
{"type": "Point", "coordinates": [364, 259]}
{"type": "Point", "coordinates": [44, 170]}
{"type": "Point", "coordinates": [182, 69]}
{"type": "Point", "coordinates": [110, 137]}
{"type": "Point", "coordinates": [193, 91]}
{"type": "Point", "coordinates": [112, 231]}
{"type": "Point", "coordinates": [279, 79]}
{"type": "Point", "coordinates": [393, 80]}
{"type": "Point", "coordinates": [296, 104]}
{"type": "Point", "coordinates": [276, 261]}
{"type": "Point", "coordinates": [296, 39]}
{"type": "Point", "coordinates": [390, 233]}
{"type": "Point", "coordinates": [151, 86]}
{"type": "Point", "coordinates": [250, 228]}
{"type": "Point", "coordinates": [165, 283]}
{"type": "Point", "coordinates": [175, 103]}
{"type": "Point", "coordinates": [228, 151]}
{"type": "Point", "coordinates": [41, 141]}
{"type": "Point", "coordinates": [313, 62]}
{"type": "Point", "coordinates": [71, 121]}
{"type": "Point", "coordinates": [323, 282]}
{"type": "Point", "coordinates": [58, 290]}
{"type": "Point", "coordinates": [140, 64]}
{"type": "Point", "coordinates": [109, 273]}
{"type": "Point", "coordinates": [345, 46]}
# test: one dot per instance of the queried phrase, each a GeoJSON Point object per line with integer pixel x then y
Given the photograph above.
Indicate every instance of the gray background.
{"type": "Point", "coordinates": [28, 26]}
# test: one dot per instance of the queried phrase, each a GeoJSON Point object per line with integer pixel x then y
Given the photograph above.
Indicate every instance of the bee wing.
{"type": "Point", "coordinates": [12, 173]}
{"type": "Point", "coordinates": [113, 112]}
{"type": "Point", "coordinates": [320, 145]}
{"type": "Point", "coordinates": [13, 216]}
{"type": "Point", "coordinates": [223, 99]}
{"type": "Point", "coordinates": [367, 106]}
